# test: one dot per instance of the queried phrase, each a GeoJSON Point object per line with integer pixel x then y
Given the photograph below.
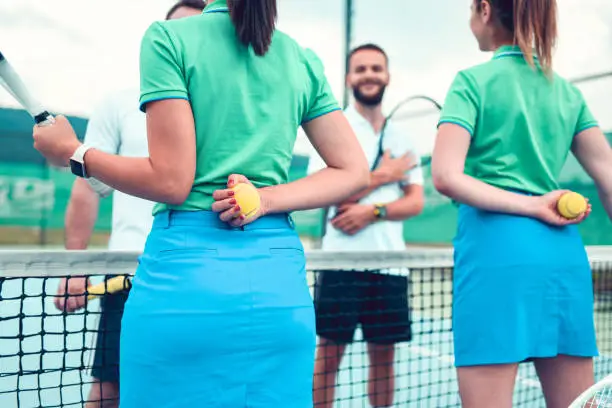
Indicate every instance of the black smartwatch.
{"type": "Point", "coordinates": [77, 161]}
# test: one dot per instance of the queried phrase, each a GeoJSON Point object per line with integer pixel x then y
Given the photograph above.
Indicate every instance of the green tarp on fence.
{"type": "Point", "coordinates": [33, 196]}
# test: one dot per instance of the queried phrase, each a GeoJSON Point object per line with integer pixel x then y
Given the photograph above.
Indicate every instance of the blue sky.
{"type": "Point", "coordinates": [74, 52]}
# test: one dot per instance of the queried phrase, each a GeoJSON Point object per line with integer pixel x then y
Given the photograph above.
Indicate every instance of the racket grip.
{"type": "Point", "coordinates": [113, 285]}
{"type": "Point", "coordinates": [44, 119]}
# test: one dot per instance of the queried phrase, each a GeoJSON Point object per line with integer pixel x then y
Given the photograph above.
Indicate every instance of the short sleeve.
{"type": "Point", "coordinates": [586, 120]}
{"type": "Point", "coordinates": [161, 75]}
{"type": "Point", "coordinates": [104, 128]}
{"type": "Point", "coordinates": [322, 100]}
{"type": "Point", "coordinates": [461, 104]}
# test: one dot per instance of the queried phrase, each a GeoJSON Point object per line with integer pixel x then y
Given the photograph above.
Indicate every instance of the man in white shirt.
{"type": "Point", "coordinates": [118, 127]}
{"type": "Point", "coordinates": [370, 221]}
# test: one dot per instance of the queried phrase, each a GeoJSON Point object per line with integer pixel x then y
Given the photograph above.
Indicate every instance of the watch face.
{"type": "Point", "coordinates": [77, 168]}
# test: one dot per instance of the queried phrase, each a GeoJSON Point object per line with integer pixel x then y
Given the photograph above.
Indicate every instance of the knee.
{"type": "Point", "coordinates": [381, 354]}
{"type": "Point", "coordinates": [329, 355]}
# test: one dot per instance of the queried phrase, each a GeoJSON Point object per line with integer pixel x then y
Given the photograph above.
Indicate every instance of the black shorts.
{"type": "Point", "coordinates": [106, 355]}
{"type": "Point", "coordinates": [379, 302]}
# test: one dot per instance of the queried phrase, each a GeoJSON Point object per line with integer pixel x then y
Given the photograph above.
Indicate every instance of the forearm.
{"type": "Point", "coordinates": [81, 215]}
{"type": "Point", "coordinates": [322, 189]}
{"type": "Point", "coordinates": [376, 180]}
{"type": "Point", "coordinates": [135, 176]}
{"type": "Point", "coordinates": [468, 190]}
{"type": "Point", "coordinates": [406, 207]}
{"type": "Point", "coordinates": [606, 199]}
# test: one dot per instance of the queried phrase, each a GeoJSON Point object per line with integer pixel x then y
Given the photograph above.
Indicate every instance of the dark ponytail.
{"type": "Point", "coordinates": [255, 22]}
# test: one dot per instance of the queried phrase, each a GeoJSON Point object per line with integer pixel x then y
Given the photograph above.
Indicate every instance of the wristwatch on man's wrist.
{"type": "Point", "coordinates": [77, 161]}
{"type": "Point", "coordinates": [380, 211]}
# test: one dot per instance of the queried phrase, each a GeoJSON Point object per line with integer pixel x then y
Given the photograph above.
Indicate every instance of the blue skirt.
{"type": "Point", "coordinates": [218, 317]}
{"type": "Point", "coordinates": [522, 289]}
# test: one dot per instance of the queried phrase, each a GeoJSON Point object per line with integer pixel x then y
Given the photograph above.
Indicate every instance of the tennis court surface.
{"type": "Point", "coordinates": [45, 356]}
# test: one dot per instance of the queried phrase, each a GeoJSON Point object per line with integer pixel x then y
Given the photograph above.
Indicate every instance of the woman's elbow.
{"type": "Point", "coordinates": [442, 181]}
{"type": "Point", "coordinates": [175, 191]}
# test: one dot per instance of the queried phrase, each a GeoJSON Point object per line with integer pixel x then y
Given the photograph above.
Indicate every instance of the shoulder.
{"type": "Point", "coordinates": [568, 88]}
{"type": "Point", "coordinates": [475, 76]}
{"type": "Point", "coordinates": [164, 34]}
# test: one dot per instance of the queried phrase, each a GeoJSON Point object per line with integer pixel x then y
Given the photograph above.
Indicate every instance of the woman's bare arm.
{"type": "Point", "coordinates": [448, 175]}
{"type": "Point", "coordinates": [593, 151]}
{"type": "Point", "coordinates": [167, 175]}
{"type": "Point", "coordinates": [346, 173]}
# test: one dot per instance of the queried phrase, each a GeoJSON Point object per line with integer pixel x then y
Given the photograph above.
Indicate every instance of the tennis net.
{"type": "Point", "coordinates": [46, 355]}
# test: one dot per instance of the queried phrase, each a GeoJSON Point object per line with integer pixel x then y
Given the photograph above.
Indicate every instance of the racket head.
{"type": "Point", "coordinates": [597, 396]}
{"type": "Point", "coordinates": [417, 118]}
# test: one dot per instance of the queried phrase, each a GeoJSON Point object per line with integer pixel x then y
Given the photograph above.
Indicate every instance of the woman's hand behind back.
{"type": "Point", "coordinates": [545, 209]}
{"type": "Point", "coordinates": [227, 206]}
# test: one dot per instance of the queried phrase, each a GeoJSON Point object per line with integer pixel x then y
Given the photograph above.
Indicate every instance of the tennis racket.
{"type": "Point", "coordinates": [416, 117]}
{"type": "Point", "coordinates": [113, 285]}
{"type": "Point", "coordinates": [11, 81]}
{"type": "Point", "coordinates": [597, 396]}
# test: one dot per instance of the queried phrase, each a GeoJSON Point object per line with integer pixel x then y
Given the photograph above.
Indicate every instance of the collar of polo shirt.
{"type": "Point", "coordinates": [216, 6]}
{"type": "Point", "coordinates": [510, 51]}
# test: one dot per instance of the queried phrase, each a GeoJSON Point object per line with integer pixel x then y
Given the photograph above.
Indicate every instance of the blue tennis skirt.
{"type": "Point", "coordinates": [522, 289]}
{"type": "Point", "coordinates": [218, 317]}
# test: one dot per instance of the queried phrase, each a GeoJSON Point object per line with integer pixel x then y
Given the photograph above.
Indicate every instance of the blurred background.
{"type": "Point", "coordinates": [72, 54]}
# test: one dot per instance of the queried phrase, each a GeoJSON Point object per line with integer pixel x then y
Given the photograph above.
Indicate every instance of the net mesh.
{"type": "Point", "coordinates": [46, 356]}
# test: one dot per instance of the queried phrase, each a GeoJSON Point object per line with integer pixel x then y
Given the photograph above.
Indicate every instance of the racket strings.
{"type": "Point", "coordinates": [601, 399]}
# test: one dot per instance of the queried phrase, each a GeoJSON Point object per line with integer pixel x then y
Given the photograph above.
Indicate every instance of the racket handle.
{"type": "Point", "coordinates": [113, 285]}
{"type": "Point", "coordinates": [44, 119]}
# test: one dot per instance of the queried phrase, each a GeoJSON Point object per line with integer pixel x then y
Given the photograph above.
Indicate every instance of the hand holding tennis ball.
{"type": "Point", "coordinates": [561, 207]}
{"type": "Point", "coordinates": [572, 205]}
{"type": "Point", "coordinates": [240, 203]}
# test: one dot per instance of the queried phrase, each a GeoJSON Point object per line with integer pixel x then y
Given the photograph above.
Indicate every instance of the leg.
{"type": "Point", "coordinates": [104, 391]}
{"type": "Point", "coordinates": [327, 363]}
{"type": "Point", "coordinates": [386, 321]}
{"type": "Point", "coordinates": [563, 378]}
{"type": "Point", "coordinates": [487, 386]}
{"type": "Point", "coordinates": [103, 395]}
{"type": "Point", "coordinates": [337, 315]}
{"type": "Point", "coordinates": [381, 381]}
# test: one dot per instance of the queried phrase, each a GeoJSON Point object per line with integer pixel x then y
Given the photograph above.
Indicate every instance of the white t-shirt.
{"type": "Point", "coordinates": [117, 126]}
{"type": "Point", "coordinates": [382, 235]}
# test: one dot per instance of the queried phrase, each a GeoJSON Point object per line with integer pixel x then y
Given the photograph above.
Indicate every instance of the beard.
{"type": "Point", "coordinates": [369, 100]}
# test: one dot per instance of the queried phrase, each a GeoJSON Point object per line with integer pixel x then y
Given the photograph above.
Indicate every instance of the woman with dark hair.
{"type": "Point", "coordinates": [184, 8]}
{"type": "Point", "coordinates": [220, 314]}
{"type": "Point", "coordinates": [522, 280]}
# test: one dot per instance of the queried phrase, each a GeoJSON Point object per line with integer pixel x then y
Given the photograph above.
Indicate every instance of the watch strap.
{"type": "Point", "coordinates": [380, 211]}
{"type": "Point", "coordinates": [79, 157]}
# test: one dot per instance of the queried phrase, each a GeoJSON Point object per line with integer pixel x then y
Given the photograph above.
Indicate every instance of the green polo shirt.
{"type": "Point", "coordinates": [247, 108]}
{"type": "Point", "coordinates": [521, 122]}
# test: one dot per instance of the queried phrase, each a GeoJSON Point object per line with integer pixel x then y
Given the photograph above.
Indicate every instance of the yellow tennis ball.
{"type": "Point", "coordinates": [247, 197]}
{"type": "Point", "coordinates": [571, 205]}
